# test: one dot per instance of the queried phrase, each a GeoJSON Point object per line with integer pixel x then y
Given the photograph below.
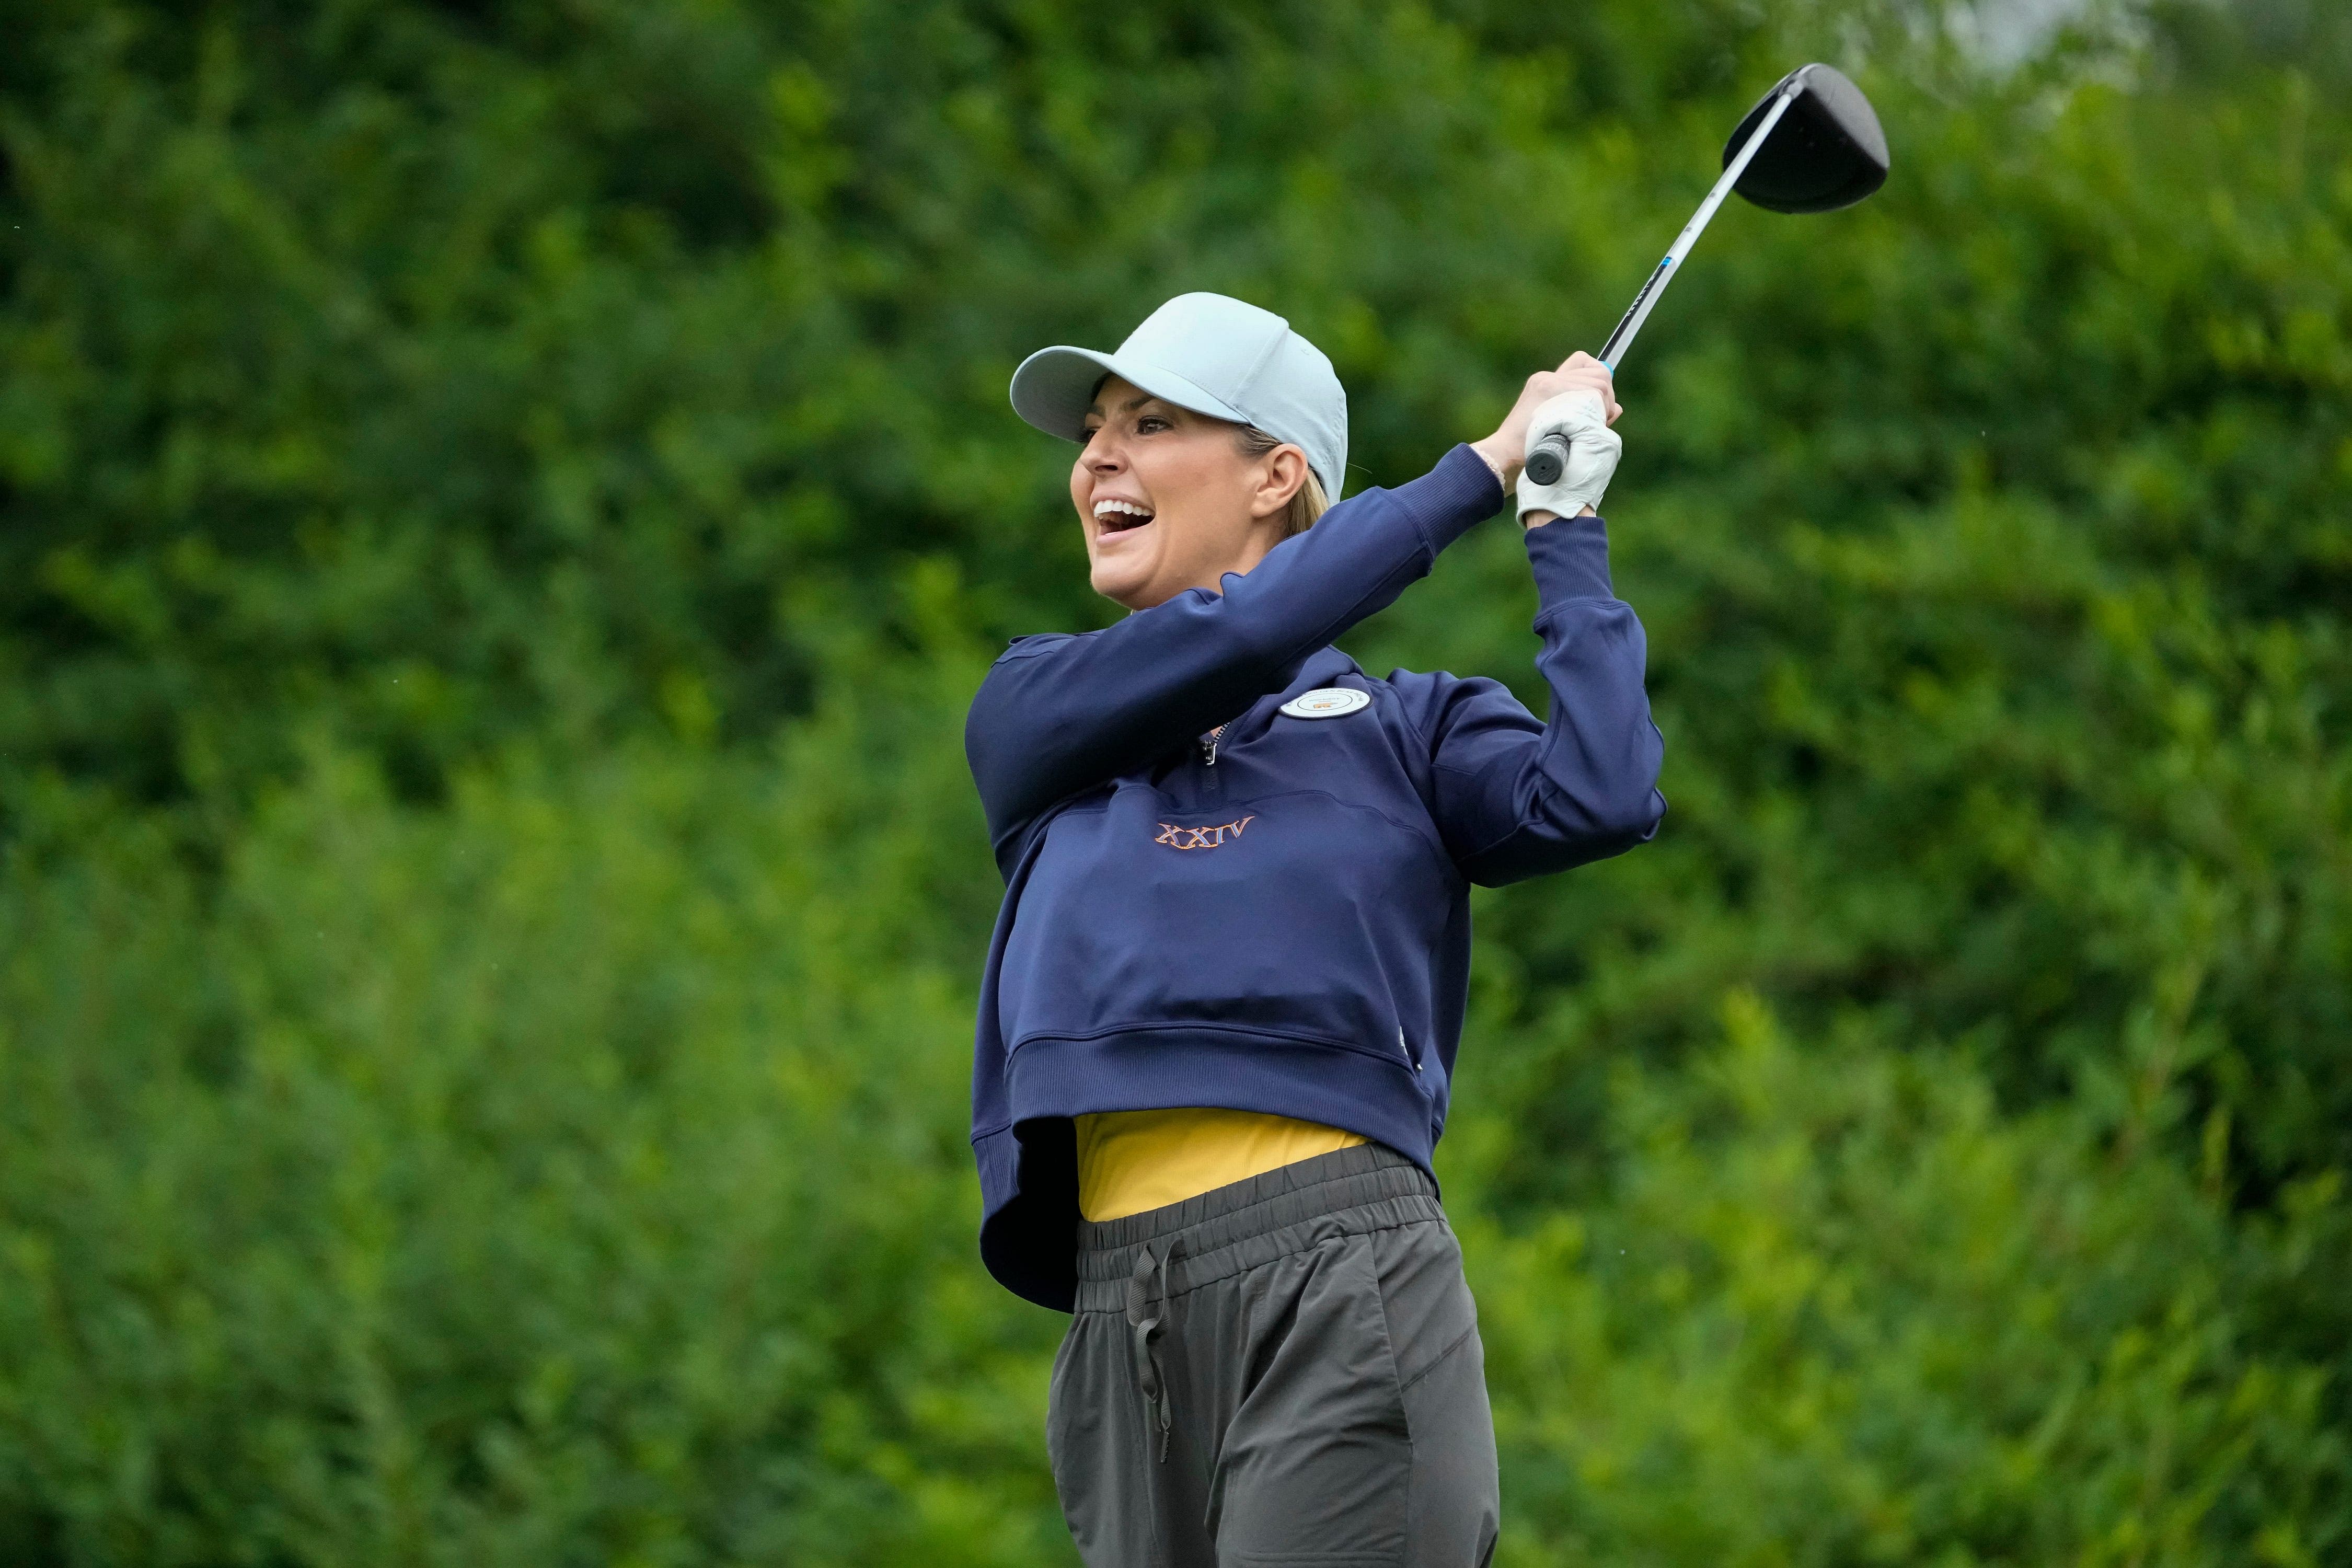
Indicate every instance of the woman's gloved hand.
{"type": "Point", "coordinates": [1507, 450]}
{"type": "Point", "coordinates": [1577, 415]}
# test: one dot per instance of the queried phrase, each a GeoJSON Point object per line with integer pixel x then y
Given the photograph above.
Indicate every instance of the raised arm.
{"type": "Point", "coordinates": [1516, 798]}
{"type": "Point", "coordinates": [1060, 714]}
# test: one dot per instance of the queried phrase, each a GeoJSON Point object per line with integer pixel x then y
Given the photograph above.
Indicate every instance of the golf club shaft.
{"type": "Point", "coordinates": [1613, 351]}
{"type": "Point", "coordinates": [1549, 460]}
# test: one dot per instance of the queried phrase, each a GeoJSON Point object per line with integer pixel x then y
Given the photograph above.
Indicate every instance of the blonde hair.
{"type": "Point", "coordinates": [1309, 504]}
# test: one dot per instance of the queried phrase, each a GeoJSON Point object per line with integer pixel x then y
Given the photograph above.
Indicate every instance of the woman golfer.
{"type": "Point", "coordinates": [1218, 1025]}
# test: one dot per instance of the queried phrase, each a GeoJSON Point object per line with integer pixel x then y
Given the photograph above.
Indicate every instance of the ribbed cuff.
{"type": "Point", "coordinates": [1571, 558]}
{"type": "Point", "coordinates": [1453, 498]}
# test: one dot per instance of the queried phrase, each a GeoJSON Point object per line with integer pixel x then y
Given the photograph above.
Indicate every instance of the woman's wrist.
{"type": "Point", "coordinates": [1538, 519]}
{"type": "Point", "coordinates": [1503, 462]}
{"type": "Point", "coordinates": [1507, 476]}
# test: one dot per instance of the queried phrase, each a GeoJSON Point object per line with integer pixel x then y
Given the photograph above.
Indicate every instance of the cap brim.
{"type": "Point", "coordinates": [1055, 387]}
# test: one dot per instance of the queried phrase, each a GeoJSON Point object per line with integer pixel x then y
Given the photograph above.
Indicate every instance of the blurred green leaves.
{"type": "Point", "coordinates": [577, 1169]}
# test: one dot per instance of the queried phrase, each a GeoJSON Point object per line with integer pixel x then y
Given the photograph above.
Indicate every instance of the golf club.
{"type": "Point", "coordinates": [1812, 144]}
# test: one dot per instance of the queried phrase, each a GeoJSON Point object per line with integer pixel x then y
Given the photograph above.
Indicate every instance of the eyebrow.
{"type": "Point", "coordinates": [1130, 406]}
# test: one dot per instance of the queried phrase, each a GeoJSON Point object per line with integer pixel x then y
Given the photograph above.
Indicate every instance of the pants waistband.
{"type": "Point", "coordinates": [1230, 1230]}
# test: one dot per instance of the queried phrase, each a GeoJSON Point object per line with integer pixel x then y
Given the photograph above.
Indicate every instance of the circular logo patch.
{"type": "Point", "coordinates": [1327, 702]}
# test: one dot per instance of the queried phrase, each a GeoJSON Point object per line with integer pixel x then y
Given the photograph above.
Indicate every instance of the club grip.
{"type": "Point", "coordinates": [1549, 460]}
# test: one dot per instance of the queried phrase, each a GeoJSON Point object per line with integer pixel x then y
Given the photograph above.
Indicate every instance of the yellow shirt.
{"type": "Point", "coordinates": [1129, 1160]}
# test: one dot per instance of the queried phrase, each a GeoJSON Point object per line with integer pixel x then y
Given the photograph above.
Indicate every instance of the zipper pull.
{"type": "Point", "coordinates": [1209, 747]}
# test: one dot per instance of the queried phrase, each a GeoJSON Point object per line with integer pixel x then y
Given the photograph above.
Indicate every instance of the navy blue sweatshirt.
{"type": "Point", "coordinates": [1277, 920]}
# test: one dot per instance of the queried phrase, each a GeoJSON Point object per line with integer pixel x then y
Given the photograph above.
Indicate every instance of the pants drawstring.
{"type": "Point", "coordinates": [1147, 1369]}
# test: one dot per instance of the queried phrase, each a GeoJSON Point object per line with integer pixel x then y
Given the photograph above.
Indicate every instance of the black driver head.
{"type": "Point", "coordinates": [1827, 151]}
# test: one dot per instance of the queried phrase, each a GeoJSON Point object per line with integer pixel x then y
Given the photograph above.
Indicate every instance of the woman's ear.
{"type": "Point", "coordinates": [1283, 470]}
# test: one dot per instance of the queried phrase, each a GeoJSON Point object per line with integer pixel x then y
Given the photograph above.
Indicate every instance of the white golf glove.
{"type": "Point", "coordinates": [1592, 449]}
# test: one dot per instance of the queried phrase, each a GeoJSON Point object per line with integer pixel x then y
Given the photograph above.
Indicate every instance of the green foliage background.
{"type": "Point", "coordinates": [502, 506]}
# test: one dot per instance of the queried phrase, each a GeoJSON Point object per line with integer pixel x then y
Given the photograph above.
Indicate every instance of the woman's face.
{"type": "Point", "coordinates": [1169, 500]}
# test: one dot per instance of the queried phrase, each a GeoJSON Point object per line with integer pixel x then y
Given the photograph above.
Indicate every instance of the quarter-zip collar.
{"type": "Point", "coordinates": [1325, 667]}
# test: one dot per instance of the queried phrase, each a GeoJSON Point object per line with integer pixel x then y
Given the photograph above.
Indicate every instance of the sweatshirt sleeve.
{"type": "Point", "coordinates": [1058, 714]}
{"type": "Point", "coordinates": [1515, 798]}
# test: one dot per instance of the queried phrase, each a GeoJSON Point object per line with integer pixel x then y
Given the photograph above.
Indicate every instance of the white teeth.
{"type": "Point", "coordinates": [1104, 507]}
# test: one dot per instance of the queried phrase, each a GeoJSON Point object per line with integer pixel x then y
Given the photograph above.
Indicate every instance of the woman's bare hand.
{"type": "Point", "coordinates": [1507, 448]}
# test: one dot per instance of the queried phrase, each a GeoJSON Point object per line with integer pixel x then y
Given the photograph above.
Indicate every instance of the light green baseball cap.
{"type": "Point", "coordinates": [1212, 355]}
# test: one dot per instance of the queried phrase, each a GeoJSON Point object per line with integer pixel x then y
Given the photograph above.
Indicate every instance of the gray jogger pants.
{"type": "Point", "coordinates": [1286, 1370]}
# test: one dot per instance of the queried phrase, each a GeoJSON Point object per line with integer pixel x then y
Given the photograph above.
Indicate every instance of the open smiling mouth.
{"type": "Point", "coordinates": [1119, 516]}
